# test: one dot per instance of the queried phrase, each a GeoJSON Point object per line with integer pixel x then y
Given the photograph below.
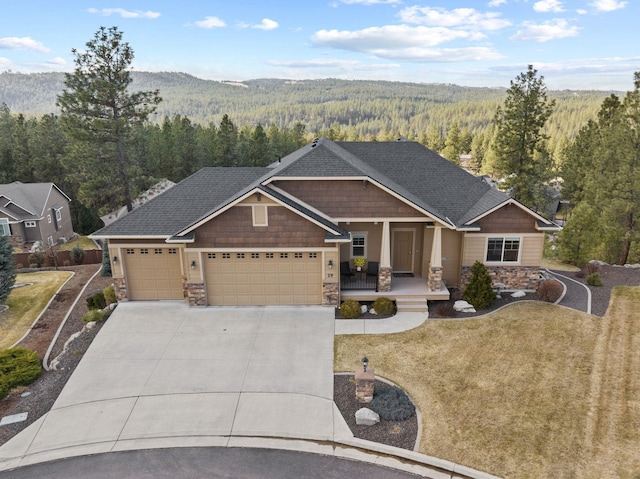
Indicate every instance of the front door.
{"type": "Point", "coordinates": [403, 251]}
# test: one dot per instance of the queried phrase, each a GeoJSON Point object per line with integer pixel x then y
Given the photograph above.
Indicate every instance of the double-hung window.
{"type": "Point", "coordinates": [4, 227]}
{"type": "Point", "coordinates": [358, 245]}
{"type": "Point", "coordinates": [503, 250]}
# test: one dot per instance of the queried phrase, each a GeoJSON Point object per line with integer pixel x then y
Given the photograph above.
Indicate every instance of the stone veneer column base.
{"type": "Point", "coordinates": [195, 294]}
{"type": "Point", "coordinates": [508, 277]}
{"type": "Point", "coordinates": [384, 279]}
{"type": "Point", "coordinates": [120, 288]}
{"type": "Point", "coordinates": [330, 294]}
{"type": "Point", "coordinates": [434, 282]}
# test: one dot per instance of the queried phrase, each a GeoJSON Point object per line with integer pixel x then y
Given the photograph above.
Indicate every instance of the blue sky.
{"type": "Point", "coordinates": [591, 44]}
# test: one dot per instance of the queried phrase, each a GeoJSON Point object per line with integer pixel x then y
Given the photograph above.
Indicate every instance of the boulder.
{"type": "Point", "coordinates": [464, 307]}
{"type": "Point", "coordinates": [367, 417]}
{"type": "Point", "coordinates": [518, 294]}
{"type": "Point", "coordinates": [364, 309]}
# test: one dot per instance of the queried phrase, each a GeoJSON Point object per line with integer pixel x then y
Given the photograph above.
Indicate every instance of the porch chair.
{"type": "Point", "coordinates": [345, 270]}
{"type": "Point", "coordinates": [372, 268]}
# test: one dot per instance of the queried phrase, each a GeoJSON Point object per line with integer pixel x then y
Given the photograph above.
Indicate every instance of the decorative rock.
{"type": "Point", "coordinates": [464, 307]}
{"type": "Point", "coordinates": [518, 294]}
{"type": "Point", "coordinates": [367, 417]}
{"type": "Point", "coordinates": [372, 311]}
{"type": "Point", "coordinates": [364, 308]}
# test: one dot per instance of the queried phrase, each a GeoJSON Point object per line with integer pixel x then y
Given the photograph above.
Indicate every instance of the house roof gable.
{"type": "Point", "coordinates": [30, 197]}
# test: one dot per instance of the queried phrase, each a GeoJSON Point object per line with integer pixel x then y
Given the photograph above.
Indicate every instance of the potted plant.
{"type": "Point", "coordinates": [359, 262]}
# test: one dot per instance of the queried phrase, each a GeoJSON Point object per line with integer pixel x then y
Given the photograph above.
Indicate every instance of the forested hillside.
{"type": "Point", "coordinates": [362, 109]}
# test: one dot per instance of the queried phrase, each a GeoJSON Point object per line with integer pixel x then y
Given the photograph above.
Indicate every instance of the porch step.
{"type": "Point", "coordinates": [412, 304]}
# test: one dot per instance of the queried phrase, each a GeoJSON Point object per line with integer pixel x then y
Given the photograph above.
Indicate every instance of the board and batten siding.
{"type": "Point", "coordinates": [531, 247]}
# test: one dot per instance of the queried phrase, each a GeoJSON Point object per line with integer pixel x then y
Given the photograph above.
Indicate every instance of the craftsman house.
{"type": "Point", "coordinates": [31, 212]}
{"type": "Point", "coordinates": [289, 233]}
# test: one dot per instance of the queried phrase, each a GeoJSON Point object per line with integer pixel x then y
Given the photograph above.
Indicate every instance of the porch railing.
{"type": "Point", "coordinates": [359, 280]}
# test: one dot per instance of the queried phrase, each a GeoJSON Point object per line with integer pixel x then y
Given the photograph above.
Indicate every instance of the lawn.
{"type": "Point", "coordinates": [26, 303]}
{"type": "Point", "coordinates": [83, 241]}
{"type": "Point", "coordinates": [523, 392]}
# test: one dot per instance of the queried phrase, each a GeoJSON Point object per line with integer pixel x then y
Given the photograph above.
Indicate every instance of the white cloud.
{"type": "Point", "coordinates": [57, 61]}
{"type": "Point", "coordinates": [458, 17]}
{"type": "Point", "coordinates": [345, 65]}
{"type": "Point", "coordinates": [608, 5]}
{"type": "Point", "coordinates": [551, 30]}
{"type": "Point", "coordinates": [211, 22]}
{"type": "Point", "coordinates": [548, 6]}
{"type": "Point", "coordinates": [106, 12]}
{"type": "Point", "coordinates": [266, 24]}
{"type": "Point", "coordinates": [369, 2]}
{"type": "Point", "coordinates": [389, 37]}
{"type": "Point", "coordinates": [496, 3]}
{"type": "Point", "coordinates": [581, 11]}
{"type": "Point", "coordinates": [5, 63]}
{"type": "Point", "coordinates": [22, 43]}
{"type": "Point", "coordinates": [438, 55]}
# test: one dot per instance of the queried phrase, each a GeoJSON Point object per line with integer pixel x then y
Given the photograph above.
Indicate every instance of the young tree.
{"type": "Point", "coordinates": [519, 144]}
{"type": "Point", "coordinates": [7, 270]}
{"type": "Point", "coordinates": [98, 109]}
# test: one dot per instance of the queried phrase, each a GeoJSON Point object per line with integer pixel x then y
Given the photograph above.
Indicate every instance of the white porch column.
{"type": "Point", "coordinates": [384, 271]}
{"type": "Point", "coordinates": [435, 263]}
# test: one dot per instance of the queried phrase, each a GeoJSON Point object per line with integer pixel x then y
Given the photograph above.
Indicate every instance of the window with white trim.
{"type": "Point", "coordinates": [59, 215]}
{"type": "Point", "coordinates": [29, 224]}
{"type": "Point", "coordinates": [4, 227]}
{"type": "Point", "coordinates": [48, 218]}
{"type": "Point", "coordinates": [503, 250]}
{"type": "Point", "coordinates": [358, 245]}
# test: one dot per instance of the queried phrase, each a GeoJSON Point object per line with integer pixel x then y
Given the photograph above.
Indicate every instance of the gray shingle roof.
{"type": "Point", "coordinates": [31, 197]}
{"type": "Point", "coordinates": [412, 171]}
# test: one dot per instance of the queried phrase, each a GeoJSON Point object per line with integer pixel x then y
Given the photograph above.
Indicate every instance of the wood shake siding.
{"type": "Point", "coordinates": [509, 218]}
{"type": "Point", "coordinates": [234, 229]}
{"type": "Point", "coordinates": [348, 198]}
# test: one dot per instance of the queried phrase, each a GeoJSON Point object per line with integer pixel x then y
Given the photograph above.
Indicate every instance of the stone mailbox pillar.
{"type": "Point", "coordinates": [364, 385]}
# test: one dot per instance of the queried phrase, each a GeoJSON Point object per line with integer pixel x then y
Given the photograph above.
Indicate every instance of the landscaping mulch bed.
{"type": "Point", "coordinates": [366, 315]}
{"type": "Point", "coordinates": [402, 434]}
{"type": "Point", "coordinates": [503, 300]}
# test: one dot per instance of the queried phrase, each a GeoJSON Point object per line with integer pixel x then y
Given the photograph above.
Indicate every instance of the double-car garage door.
{"type": "Point", "coordinates": [263, 278]}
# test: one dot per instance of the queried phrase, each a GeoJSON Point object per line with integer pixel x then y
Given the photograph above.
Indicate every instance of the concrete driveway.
{"type": "Point", "coordinates": [160, 371]}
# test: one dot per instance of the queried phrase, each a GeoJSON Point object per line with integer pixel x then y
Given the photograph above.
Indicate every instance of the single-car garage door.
{"type": "Point", "coordinates": [153, 273]}
{"type": "Point", "coordinates": [237, 279]}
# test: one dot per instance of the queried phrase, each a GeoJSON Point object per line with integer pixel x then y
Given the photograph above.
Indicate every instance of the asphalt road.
{"type": "Point", "coordinates": [205, 462]}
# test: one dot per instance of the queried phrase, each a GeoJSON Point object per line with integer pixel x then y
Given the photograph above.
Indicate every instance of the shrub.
{"type": "Point", "coordinates": [77, 255]}
{"type": "Point", "coordinates": [588, 269]}
{"type": "Point", "coordinates": [110, 294]}
{"type": "Point", "coordinates": [7, 270]}
{"type": "Point", "coordinates": [37, 258]}
{"type": "Point", "coordinates": [444, 309]}
{"type": "Point", "coordinates": [96, 301]}
{"type": "Point", "coordinates": [384, 306]}
{"type": "Point", "coordinates": [550, 290]}
{"type": "Point", "coordinates": [95, 315]}
{"type": "Point", "coordinates": [105, 270]}
{"type": "Point", "coordinates": [18, 367]}
{"type": "Point", "coordinates": [392, 404]}
{"type": "Point", "coordinates": [350, 309]}
{"type": "Point", "coordinates": [479, 291]}
{"type": "Point", "coordinates": [594, 279]}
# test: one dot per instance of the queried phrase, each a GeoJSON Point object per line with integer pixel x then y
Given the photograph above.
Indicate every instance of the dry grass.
{"type": "Point", "coordinates": [505, 394]}
{"type": "Point", "coordinates": [26, 303]}
{"type": "Point", "coordinates": [83, 241]}
{"type": "Point", "coordinates": [558, 265]}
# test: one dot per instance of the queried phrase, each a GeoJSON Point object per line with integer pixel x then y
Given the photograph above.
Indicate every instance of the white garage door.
{"type": "Point", "coordinates": [153, 273]}
{"type": "Point", "coordinates": [237, 279]}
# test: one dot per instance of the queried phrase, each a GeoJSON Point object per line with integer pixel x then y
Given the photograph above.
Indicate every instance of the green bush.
{"type": "Point", "coordinates": [96, 301]}
{"type": "Point", "coordinates": [95, 315]}
{"type": "Point", "coordinates": [110, 294]}
{"type": "Point", "coordinates": [37, 258]}
{"type": "Point", "coordinates": [479, 291]}
{"type": "Point", "coordinates": [105, 270]}
{"type": "Point", "coordinates": [594, 279]}
{"type": "Point", "coordinates": [384, 306]}
{"type": "Point", "coordinates": [77, 255]}
{"type": "Point", "coordinates": [350, 309]}
{"type": "Point", "coordinates": [550, 290]}
{"type": "Point", "coordinates": [18, 367]}
{"type": "Point", "coordinates": [392, 404]}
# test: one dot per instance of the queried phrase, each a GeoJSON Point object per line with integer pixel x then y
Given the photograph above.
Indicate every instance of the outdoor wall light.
{"type": "Point", "coordinates": [365, 363]}
{"type": "Point", "coordinates": [193, 264]}
{"type": "Point", "coordinates": [330, 264]}
{"type": "Point", "coordinates": [115, 260]}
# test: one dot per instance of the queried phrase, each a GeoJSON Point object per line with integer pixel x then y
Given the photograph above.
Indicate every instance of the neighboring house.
{"type": "Point", "coordinates": [31, 212]}
{"type": "Point", "coordinates": [288, 233]}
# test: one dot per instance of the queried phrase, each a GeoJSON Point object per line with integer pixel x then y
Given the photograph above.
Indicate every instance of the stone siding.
{"type": "Point", "coordinates": [384, 280]}
{"type": "Point", "coordinates": [365, 385]}
{"type": "Point", "coordinates": [120, 288]}
{"type": "Point", "coordinates": [509, 278]}
{"type": "Point", "coordinates": [330, 294]}
{"type": "Point", "coordinates": [435, 279]}
{"type": "Point", "coordinates": [195, 294]}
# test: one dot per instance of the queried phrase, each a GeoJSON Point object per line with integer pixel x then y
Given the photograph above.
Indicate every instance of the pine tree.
{"type": "Point", "coordinates": [479, 291]}
{"type": "Point", "coordinates": [7, 270]}
{"type": "Point", "coordinates": [98, 109]}
{"type": "Point", "coordinates": [519, 144]}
